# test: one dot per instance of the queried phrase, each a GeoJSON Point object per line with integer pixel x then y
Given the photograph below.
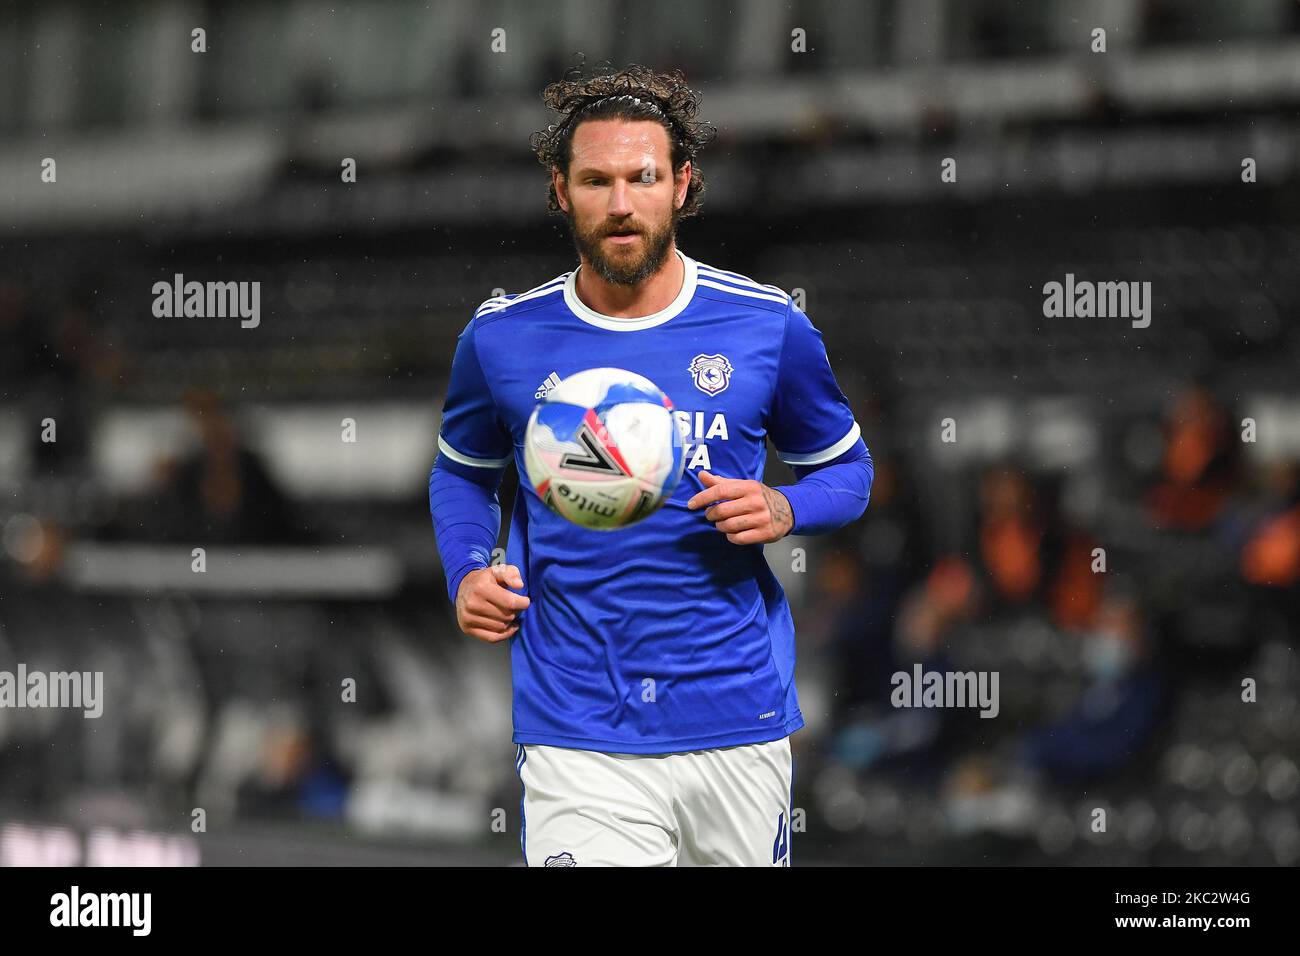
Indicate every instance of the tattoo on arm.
{"type": "Point", "coordinates": [779, 508]}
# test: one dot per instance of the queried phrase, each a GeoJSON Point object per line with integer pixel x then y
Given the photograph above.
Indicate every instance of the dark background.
{"type": "Point", "coordinates": [223, 689]}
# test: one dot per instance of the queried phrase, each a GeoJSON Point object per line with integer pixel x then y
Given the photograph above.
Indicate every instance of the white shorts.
{"type": "Point", "coordinates": [723, 807]}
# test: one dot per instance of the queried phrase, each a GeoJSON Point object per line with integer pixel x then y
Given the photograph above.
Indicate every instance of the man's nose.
{"type": "Point", "coordinates": [620, 199]}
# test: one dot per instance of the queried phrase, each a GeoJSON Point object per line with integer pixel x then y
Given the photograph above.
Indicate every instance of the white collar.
{"type": "Point", "coordinates": [614, 323]}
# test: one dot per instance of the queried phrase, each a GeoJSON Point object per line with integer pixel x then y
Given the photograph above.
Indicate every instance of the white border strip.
{"type": "Point", "coordinates": [732, 289]}
{"type": "Point", "coordinates": [537, 293]}
{"type": "Point", "coordinates": [616, 324]}
{"type": "Point", "coordinates": [816, 458]}
{"type": "Point", "coordinates": [456, 456]}
{"type": "Point", "coordinates": [713, 272]}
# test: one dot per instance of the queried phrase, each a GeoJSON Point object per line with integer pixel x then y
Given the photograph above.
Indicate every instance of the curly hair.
{"type": "Point", "coordinates": [634, 93]}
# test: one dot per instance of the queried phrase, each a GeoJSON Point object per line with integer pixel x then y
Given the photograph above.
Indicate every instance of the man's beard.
{"type": "Point", "coordinates": [627, 269]}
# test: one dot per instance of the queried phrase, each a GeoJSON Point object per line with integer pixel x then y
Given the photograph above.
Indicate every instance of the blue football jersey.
{"type": "Point", "coordinates": [664, 636]}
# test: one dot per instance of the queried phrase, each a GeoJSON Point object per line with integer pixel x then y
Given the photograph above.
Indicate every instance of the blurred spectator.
{"type": "Point", "coordinates": [864, 573]}
{"type": "Point", "coordinates": [1030, 556]}
{"type": "Point", "coordinates": [1198, 468]}
{"type": "Point", "coordinates": [19, 330]}
{"type": "Point", "coordinates": [1011, 536]}
{"type": "Point", "coordinates": [293, 776]}
{"type": "Point", "coordinates": [36, 548]}
{"type": "Point", "coordinates": [876, 731]}
{"type": "Point", "coordinates": [1120, 708]}
{"type": "Point", "coordinates": [1271, 556]}
{"type": "Point", "coordinates": [56, 363]}
{"type": "Point", "coordinates": [222, 492]}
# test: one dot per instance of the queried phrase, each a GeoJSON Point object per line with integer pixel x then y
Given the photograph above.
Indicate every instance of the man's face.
{"type": "Point", "coordinates": [621, 197]}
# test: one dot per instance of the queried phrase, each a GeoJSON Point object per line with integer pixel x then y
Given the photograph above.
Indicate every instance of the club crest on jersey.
{"type": "Point", "coordinates": [561, 859]}
{"type": "Point", "coordinates": [712, 373]}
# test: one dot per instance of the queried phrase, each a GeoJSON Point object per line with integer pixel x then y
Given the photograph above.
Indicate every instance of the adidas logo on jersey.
{"type": "Point", "coordinates": [545, 388]}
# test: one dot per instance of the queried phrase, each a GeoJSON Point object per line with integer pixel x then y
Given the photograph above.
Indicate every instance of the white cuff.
{"type": "Point", "coordinates": [457, 457]}
{"type": "Point", "coordinates": [817, 457]}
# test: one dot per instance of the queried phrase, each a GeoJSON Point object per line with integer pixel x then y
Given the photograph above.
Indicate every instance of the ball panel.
{"type": "Point", "coordinates": [591, 387]}
{"type": "Point", "coordinates": [603, 451]}
{"type": "Point", "coordinates": [601, 506]}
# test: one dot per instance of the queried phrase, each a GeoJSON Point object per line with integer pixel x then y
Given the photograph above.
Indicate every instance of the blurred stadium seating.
{"type": "Point", "coordinates": [178, 433]}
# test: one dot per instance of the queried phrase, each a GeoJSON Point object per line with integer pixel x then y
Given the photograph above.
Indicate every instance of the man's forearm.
{"type": "Point", "coordinates": [466, 520]}
{"type": "Point", "coordinates": [827, 497]}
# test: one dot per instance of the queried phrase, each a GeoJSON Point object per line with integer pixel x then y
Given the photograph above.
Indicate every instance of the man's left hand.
{"type": "Point", "coordinates": [748, 511]}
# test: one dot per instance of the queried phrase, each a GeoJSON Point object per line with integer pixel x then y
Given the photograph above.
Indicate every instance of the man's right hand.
{"type": "Point", "coordinates": [486, 608]}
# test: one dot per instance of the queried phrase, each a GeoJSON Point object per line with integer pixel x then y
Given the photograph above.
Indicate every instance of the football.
{"type": "Point", "coordinates": [603, 450]}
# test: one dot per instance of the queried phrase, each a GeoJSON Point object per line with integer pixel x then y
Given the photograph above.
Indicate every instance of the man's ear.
{"type": "Point", "coordinates": [681, 183]}
{"type": "Point", "coordinates": [561, 189]}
